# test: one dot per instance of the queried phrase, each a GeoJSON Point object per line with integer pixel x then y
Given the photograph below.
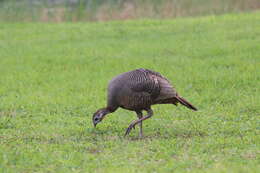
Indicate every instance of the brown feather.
{"type": "Point", "coordinates": [186, 103]}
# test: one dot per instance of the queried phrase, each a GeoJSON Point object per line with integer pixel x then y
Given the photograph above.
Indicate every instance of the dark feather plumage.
{"type": "Point", "coordinates": [137, 90]}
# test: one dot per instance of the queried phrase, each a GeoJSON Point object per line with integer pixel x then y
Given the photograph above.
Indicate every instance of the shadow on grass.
{"type": "Point", "coordinates": [116, 133]}
{"type": "Point", "coordinates": [159, 135]}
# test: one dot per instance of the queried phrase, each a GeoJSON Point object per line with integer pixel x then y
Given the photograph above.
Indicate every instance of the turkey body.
{"type": "Point", "coordinates": [137, 91]}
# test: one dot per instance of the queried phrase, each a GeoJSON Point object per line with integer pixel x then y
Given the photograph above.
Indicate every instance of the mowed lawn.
{"type": "Point", "coordinates": [54, 76]}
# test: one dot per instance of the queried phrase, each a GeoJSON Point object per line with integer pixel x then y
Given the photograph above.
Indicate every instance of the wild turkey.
{"type": "Point", "coordinates": [137, 90]}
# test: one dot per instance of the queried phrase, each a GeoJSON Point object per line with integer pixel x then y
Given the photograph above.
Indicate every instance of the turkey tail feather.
{"type": "Point", "coordinates": [185, 103]}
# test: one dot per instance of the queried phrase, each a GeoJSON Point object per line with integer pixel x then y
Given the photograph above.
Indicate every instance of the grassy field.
{"type": "Point", "coordinates": [54, 76]}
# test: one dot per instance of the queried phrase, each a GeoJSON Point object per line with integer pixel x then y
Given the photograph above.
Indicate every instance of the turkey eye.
{"type": "Point", "coordinates": [96, 119]}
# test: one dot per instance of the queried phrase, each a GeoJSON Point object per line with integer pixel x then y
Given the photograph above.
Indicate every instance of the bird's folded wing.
{"type": "Point", "coordinates": [149, 85]}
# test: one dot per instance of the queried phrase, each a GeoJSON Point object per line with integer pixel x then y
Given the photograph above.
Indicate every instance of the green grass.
{"type": "Point", "coordinates": [54, 76]}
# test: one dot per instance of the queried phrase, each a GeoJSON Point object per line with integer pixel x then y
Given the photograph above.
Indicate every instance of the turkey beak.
{"type": "Point", "coordinates": [95, 124]}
